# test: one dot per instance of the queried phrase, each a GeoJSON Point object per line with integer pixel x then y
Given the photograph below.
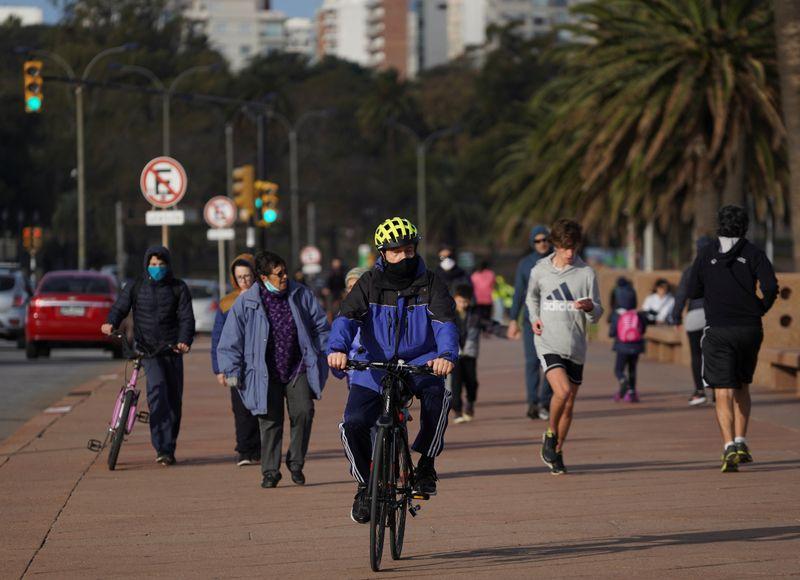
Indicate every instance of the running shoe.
{"type": "Point", "coordinates": [544, 414]}
{"type": "Point", "coordinates": [697, 398]}
{"type": "Point", "coordinates": [533, 411]}
{"type": "Point", "coordinates": [459, 418]}
{"type": "Point", "coordinates": [558, 467]}
{"type": "Point", "coordinates": [743, 452]}
{"type": "Point", "coordinates": [631, 396]}
{"type": "Point", "coordinates": [426, 477]}
{"type": "Point", "coordinates": [298, 477]}
{"type": "Point", "coordinates": [730, 459]}
{"type": "Point", "coordinates": [548, 453]}
{"type": "Point", "coordinates": [360, 512]}
{"type": "Point", "coordinates": [243, 460]}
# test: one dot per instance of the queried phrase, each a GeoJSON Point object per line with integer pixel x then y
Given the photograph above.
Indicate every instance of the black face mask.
{"type": "Point", "coordinates": [402, 273]}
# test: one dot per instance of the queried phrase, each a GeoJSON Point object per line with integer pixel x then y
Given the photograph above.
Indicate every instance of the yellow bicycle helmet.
{"type": "Point", "coordinates": [395, 232]}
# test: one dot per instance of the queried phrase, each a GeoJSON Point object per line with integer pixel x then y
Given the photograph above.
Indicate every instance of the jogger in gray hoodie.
{"type": "Point", "coordinates": [563, 298]}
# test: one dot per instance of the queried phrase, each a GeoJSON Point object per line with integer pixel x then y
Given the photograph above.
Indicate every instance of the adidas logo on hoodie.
{"type": "Point", "coordinates": [559, 300]}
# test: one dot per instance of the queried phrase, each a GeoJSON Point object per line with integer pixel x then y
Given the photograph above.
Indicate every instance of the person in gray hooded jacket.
{"type": "Point", "coordinates": [563, 298]}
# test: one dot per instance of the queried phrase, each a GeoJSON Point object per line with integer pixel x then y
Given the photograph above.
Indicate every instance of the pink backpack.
{"type": "Point", "coordinates": [629, 327]}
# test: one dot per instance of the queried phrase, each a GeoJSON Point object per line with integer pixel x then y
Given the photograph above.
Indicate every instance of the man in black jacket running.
{"type": "Point", "coordinates": [162, 316]}
{"type": "Point", "coordinates": [725, 274]}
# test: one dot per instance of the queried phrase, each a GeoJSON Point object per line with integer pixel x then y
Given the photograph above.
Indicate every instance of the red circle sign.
{"type": "Point", "coordinates": [220, 212]}
{"type": "Point", "coordinates": [163, 182]}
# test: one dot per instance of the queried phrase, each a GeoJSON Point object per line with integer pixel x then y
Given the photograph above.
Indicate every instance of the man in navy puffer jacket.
{"type": "Point", "coordinates": [162, 318]}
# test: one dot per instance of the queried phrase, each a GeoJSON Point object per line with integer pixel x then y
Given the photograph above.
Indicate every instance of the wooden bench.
{"type": "Point", "coordinates": [784, 364]}
{"type": "Point", "coordinates": [664, 344]}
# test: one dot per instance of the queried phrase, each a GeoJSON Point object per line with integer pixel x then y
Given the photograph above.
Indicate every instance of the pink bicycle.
{"type": "Point", "coordinates": [124, 416]}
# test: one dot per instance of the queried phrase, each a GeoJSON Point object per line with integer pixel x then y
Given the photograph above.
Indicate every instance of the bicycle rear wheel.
{"type": "Point", "coordinates": [119, 431]}
{"type": "Point", "coordinates": [402, 490]}
{"type": "Point", "coordinates": [378, 485]}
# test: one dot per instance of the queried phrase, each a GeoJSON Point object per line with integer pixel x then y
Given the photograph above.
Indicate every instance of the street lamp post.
{"type": "Point", "coordinates": [422, 146]}
{"type": "Point", "coordinates": [168, 96]}
{"type": "Point", "coordinates": [80, 145]}
{"type": "Point", "coordinates": [294, 175]}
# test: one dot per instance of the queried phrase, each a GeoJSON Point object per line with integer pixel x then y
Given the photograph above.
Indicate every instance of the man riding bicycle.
{"type": "Point", "coordinates": [401, 312]}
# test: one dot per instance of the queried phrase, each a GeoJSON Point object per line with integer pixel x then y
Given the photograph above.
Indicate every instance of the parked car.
{"type": "Point", "coordinates": [67, 310]}
{"type": "Point", "coordinates": [14, 295]}
{"type": "Point", "coordinates": [205, 302]}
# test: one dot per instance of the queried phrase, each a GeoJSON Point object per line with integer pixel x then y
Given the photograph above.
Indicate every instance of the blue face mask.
{"type": "Point", "coordinates": [157, 272]}
{"type": "Point", "coordinates": [270, 287]}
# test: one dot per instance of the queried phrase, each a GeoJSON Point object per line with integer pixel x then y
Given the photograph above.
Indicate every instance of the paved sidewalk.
{"type": "Point", "coordinates": [644, 497]}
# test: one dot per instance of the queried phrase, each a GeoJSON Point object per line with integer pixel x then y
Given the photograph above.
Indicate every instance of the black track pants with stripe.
{"type": "Point", "coordinates": [363, 410]}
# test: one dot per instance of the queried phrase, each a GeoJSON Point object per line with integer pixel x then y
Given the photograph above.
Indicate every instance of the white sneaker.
{"type": "Point", "coordinates": [461, 419]}
{"type": "Point", "coordinates": [544, 414]}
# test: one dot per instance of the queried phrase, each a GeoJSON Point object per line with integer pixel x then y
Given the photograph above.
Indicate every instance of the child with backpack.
{"type": "Point", "coordinates": [626, 327]}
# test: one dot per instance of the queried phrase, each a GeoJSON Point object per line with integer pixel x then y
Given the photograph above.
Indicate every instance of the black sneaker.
{"type": "Point", "coordinates": [730, 459]}
{"type": "Point", "coordinates": [360, 512]}
{"type": "Point", "coordinates": [425, 477]}
{"type": "Point", "coordinates": [533, 411]}
{"type": "Point", "coordinates": [548, 453]}
{"type": "Point", "coordinates": [558, 467]}
{"type": "Point", "coordinates": [743, 452]}
{"type": "Point", "coordinates": [243, 460]}
{"type": "Point", "coordinates": [298, 477]}
{"type": "Point", "coordinates": [166, 459]}
{"type": "Point", "coordinates": [271, 479]}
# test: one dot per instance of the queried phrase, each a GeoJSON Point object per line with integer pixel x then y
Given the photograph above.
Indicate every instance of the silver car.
{"type": "Point", "coordinates": [14, 296]}
{"type": "Point", "coordinates": [205, 302]}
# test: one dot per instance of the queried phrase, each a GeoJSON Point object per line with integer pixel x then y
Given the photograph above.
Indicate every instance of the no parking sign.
{"type": "Point", "coordinates": [163, 182]}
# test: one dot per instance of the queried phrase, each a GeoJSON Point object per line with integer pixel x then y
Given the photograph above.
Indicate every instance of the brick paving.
{"type": "Point", "coordinates": [644, 497]}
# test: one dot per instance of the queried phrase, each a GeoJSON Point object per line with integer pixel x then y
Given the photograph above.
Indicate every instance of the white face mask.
{"type": "Point", "coordinates": [447, 264]}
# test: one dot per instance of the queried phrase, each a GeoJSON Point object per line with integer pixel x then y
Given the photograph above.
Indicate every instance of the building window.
{"type": "Point", "coordinates": [272, 30]}
{"type": "Point", "coordinates": [244, 49]}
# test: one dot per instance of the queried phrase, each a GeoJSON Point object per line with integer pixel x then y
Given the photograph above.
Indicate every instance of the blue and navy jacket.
{"type": "Point", "coordinates": [416, 324]}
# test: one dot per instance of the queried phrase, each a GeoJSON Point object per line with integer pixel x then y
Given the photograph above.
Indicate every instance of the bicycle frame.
{"type": "Point", "coordinates": [113, 424]}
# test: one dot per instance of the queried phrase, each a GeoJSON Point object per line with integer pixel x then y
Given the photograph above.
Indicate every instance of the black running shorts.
{"type": "Point", "coordinates": [730, 355]}
{"type": "Point", "coordinates": [574, 370]}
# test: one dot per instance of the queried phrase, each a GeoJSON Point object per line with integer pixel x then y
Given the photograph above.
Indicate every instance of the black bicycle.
{"type": "Point", "coordinates": [391, 480]}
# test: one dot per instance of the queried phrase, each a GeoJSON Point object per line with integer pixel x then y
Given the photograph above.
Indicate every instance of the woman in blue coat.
{"type": "Point", "coordinates": [273, 348]}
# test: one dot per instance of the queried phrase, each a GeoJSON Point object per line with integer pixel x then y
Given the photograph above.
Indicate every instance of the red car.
{"type": "Point", "coordinates": [67, 310]}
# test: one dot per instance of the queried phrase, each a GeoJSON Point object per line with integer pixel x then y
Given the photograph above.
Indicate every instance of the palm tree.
{"type": "Point", "coordinates": [654, 107]}
{"type": "Point", "coordinates": [787, 28]}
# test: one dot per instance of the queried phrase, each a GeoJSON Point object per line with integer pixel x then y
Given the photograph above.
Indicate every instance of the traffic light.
{"type": "Point", "coordinates": [32, 79]}
{"type": "Point", "coordinates": [244, 190]}
{"type": "Point", "coordinates": [266, 203]}
{"type": "Point", "coordinates": [32, 238]}
{"type": "Point", "coordinates": [37, 239]}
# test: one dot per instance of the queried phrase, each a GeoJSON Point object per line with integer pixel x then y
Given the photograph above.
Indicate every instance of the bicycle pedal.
{"type": "Point", "coordinates": [143, 417]}
{"type": "Point", "coordinates": [94, 445]}
{"type": "Point", "coordinates": [422, 496]}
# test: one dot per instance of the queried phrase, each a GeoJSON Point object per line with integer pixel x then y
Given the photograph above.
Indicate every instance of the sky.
{"type": "Point", "coordinates": [289, 7]}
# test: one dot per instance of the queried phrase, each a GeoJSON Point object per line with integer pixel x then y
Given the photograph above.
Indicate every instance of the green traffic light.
{"type": "Point", "coordinates": [34, 103]}
{"type": "Point", "coordinates": [270, 215]}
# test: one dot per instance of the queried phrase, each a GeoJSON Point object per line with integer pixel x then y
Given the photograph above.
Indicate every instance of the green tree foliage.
{"type": "Point", "coordinates": [659, 107]}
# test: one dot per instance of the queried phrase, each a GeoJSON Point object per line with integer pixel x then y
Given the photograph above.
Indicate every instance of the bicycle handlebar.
{"type": "Point", "coordinates": [390, 367]}
{"type": "Point", "coordinates": [131, 353]}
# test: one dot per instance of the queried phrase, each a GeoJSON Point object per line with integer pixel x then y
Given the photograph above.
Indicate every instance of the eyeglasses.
{"type": "Point", "coordinates": [540, 241]}
{"type": "Point", "coordinates": [244, 278]}
{"type": "Point", "coordinates": [280, 274]}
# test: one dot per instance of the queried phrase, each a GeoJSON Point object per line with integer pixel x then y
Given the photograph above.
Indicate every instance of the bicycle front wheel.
{"type": "Point", "coordinates": [119, 431]}
{"type": "Point", "coordinates": [401, 480]}
{"type": "Point", "coordinates": [378, 488]}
